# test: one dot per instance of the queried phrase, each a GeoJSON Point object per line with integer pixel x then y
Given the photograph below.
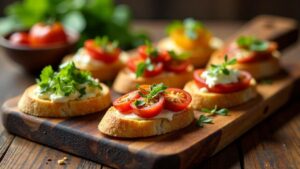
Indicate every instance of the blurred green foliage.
{"type": "Point", "coordinates": [89, 17]}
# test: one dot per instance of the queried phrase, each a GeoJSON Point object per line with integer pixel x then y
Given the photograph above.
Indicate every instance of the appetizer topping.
{"type": "Point", "coordinates": [189, 34]}
{"type": "Point", "coordinates": [247, 49]}
{"type": "Point", "coordinates": [42, 34]}
{"type": "Point", "coordinates": [151, 62]}
{"type": "Point", "coordinates": [19, 38]}
{"type": "Point", "coordinates": [204, 119]}
{"type": "Point", "coordinates": [150, 101]}
{"type": "Point", "coordinates": [68, 84]}
{"type": "Point", "coordinates": [220, 79]}
{"type": "Point", "coordinates": [102, 49]}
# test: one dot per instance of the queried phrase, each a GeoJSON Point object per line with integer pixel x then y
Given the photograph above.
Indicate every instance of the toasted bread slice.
{"type": "Point", "coordinates": [199, 56]}
{"type": "Point", "coordinates": [32, 105]}
{"type": "Point", "coordinates": [113, 124]}
{"type": "Point", "coordinates": [210, 100]}
{"type": "Point", "coordinates": [258, 70]}
{"type": "Point", "coordinates": [126, 80]}
{"type": "Point", "coordinates": [102, 72]}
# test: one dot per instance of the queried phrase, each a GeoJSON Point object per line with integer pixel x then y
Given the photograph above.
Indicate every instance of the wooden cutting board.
{"type": "Point", "coordinates": [179, 149]}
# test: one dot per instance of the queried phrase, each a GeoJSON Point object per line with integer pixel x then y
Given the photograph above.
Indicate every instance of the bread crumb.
{"type": "Point", "coordinates": [62, 161]}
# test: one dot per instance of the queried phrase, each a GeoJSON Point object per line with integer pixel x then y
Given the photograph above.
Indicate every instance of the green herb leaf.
{"type": "Point", "coordinates": [176, 56]}
{"type": "Point", "coordinates": [156, 89]}
{"type": "Point", "coordinates": [142, 66]}
{"type": "Point", "coordinates": [223, 112]}
{"type": "Point", "coordinates": [139, 103]}
{"type": "Point", "coordinates": [204, 120]}
{"type": "Point", "coordinates": [214, 70]}
{"type": "Point", "coordinates": [215, 110]}
{"type": "Point", "coordinates": [252, 43]}
{"type": "Point", "coordinates": [150, 50]}
{"type": "Point", "coordinates": [190, 28]}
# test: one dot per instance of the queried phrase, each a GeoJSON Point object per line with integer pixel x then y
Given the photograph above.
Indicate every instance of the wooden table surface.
{"type": "Point", "coordinates": [272, 144]}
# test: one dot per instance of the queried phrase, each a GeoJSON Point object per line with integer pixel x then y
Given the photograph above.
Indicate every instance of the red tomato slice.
{"type": "Point", "coordinates": [253, 56]}
{"type": "Point", "coordinates": [142, 51]}
{"type": "Point", "coordinates": [133, 63]}
{"type": "Point", "coordinates": [42, 34]}
{"type": "Point", "coordinates": [96, 52]}
{"type": "Point", "coordinates": [19, 38]}
{"type": "Point", "coordinates": [123, 103]}
{"type": "Point", "coordinates": [161, 57]}
{"type": "Point", "coordinates": [176, 66]}
{"type": "Point", "coordinates": [244, 82]}
{"type": "Point", "coordinates": [176, 99]}
{"type": "Point", "coordinates": [149, 110]}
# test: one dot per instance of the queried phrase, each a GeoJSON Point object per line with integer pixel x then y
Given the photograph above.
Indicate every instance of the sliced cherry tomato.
{"type": "Point", "coordinates": [244, 82]}
{"type": "Point", "coordinates": [149, 109]}
{"type": "Point", "coordinates": [176, 99]}
{"type": "Point", "coordinates": [142, 51]}
{"type": "Point", "coordinates": [123, 103]}
{"type": "Point", "coordinates": [96, 52]}
{"type": "Point", "coordinates": [251, 56]}
{"type": "Point", "coordinates": [160, 57]}
{"type": "Point", "coordinates": [176, 66]}
{"type": "Point", "coordinates": [19, 38]}
{"type": "Point", "coordinates": [133, 63]}
{"type": "Point", "coordinates": [42, 34]}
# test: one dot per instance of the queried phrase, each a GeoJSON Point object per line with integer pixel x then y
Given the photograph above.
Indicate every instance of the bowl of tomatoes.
{"type": "Point", "coordinates": [43, 44]}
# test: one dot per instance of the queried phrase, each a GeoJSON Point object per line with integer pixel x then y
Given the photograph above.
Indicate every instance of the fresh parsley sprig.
{"type": "Point", "coordinates": [221, 68]}
{"type": "Point", "coordinates": [204, 120]}
{"type": "Point", "coordinates": [252, 43]}
{"type": "Point", "coordinates": [215, 110]}
{"type": "Point", "coordinates": [142, 66]}
{"type": "Point", "coordinates": [68, 80]}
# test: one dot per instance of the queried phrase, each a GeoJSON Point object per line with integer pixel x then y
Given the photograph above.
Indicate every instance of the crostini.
{"type": "Point", "coordinates": [99, 56]}
{"type": "Point", "coordinates": [258, 57]}
{"type": "Point", "coordinates": [150, 66]}
{"type": "Point", "coordinates": [190, 36]}
{"type": "Point", "coordinates": [148, 111]}
{"type": "Point", "coordinates": [69, 92]}
{"type": "Point", "coordinates": [220, 86]}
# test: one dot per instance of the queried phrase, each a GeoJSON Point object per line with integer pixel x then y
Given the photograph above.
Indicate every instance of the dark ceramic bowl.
{"type": "Point", "coordinates": [33, 59]}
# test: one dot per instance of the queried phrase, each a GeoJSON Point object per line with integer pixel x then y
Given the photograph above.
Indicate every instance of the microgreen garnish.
{"type": "Point", "coordinates": [150, 50]}
{"type": "Point", "coordinates": [141, 67]}
{"type": "Point", "coordinates": [252, 43]}
{"type": "Point", "coordinates": [215, 110]}
{"type": "Point", "coordinates": [204, 120]}
{"type": "Point", "coordinates": [214, 70]}
{"type": "Point", "coordinates": [105, 44]}
{"type": "Point", "coordinates": [153, 92]}
{"type": "Point", "coordinates": [176, 56]}
{"type": "Point", "coordinates": [189, 25]}
{"type": "Point", "coordinates": [68, 80]}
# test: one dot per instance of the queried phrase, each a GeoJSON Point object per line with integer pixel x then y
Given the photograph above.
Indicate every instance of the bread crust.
{"type": "Point", "coordinates": [258, 70]}
{"type": "Point", "coordinates": [199, 56]}
{"type": "Point", "coordinates": [210, 100]}
{"type": "Point", "coordinates": [104, 72]}
{"type": "Point", "coordinates": [125, 82]}
{"type": "Point", "coordinates": [113, 124]}
{"type": "Point", "coordinates": [32, 105]}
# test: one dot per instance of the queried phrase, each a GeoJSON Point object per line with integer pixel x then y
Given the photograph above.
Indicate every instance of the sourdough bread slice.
{"type": "Point", "coordinates": [31, 104]}
{"type": "Point", "coordinates": [114, 124]}
{"type": "Point", "coordinates": [210, 100]}
{"type": "Point", "coordinates": [126, 80]}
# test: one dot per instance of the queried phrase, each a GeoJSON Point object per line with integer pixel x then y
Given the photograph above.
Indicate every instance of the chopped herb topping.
{"type": "Point", "coordinates": [105, 44]}
{"type": "Point", "coordinates": [176, 56]}
{"type": "Point", "coordinates": [204, 120]}
{"type": "Point", "coordinates": [153, 92]}
{"type": "Point", "coordinates": [252, 43]}
{"type": "Point", "coordinates": [68, 80]}
{"type": "Point", "coordinates": [190, 26]}
{"type": "Point", "coordinates": [141, 67]}
{"type": "Point", "coordinates": [214, 70]}
{"type": "Point", "coordinates": [215, 110]}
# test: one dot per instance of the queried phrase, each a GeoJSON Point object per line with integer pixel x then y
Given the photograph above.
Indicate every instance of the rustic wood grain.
{"type": "Point", "coordinates": [275, 143]}
{"type": "Point", "coordinates": [24, 154]}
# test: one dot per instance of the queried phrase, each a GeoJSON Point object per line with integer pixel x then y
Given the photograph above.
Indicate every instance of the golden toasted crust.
{"type": "Point", "coordinates": [103, 72]}
{"type": "Point", "coordinates": [199, 56]}
{"type": "Point", "coordinates": [126, 82]}
{"type": "Point", "coordinates": [115, 125]}
{"type": "Point", "coordinates": [32, 105]}
{"type": "Point", "coordinates": [258, 70]}
{"type": "Point", "coordinates": [210, 100]}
